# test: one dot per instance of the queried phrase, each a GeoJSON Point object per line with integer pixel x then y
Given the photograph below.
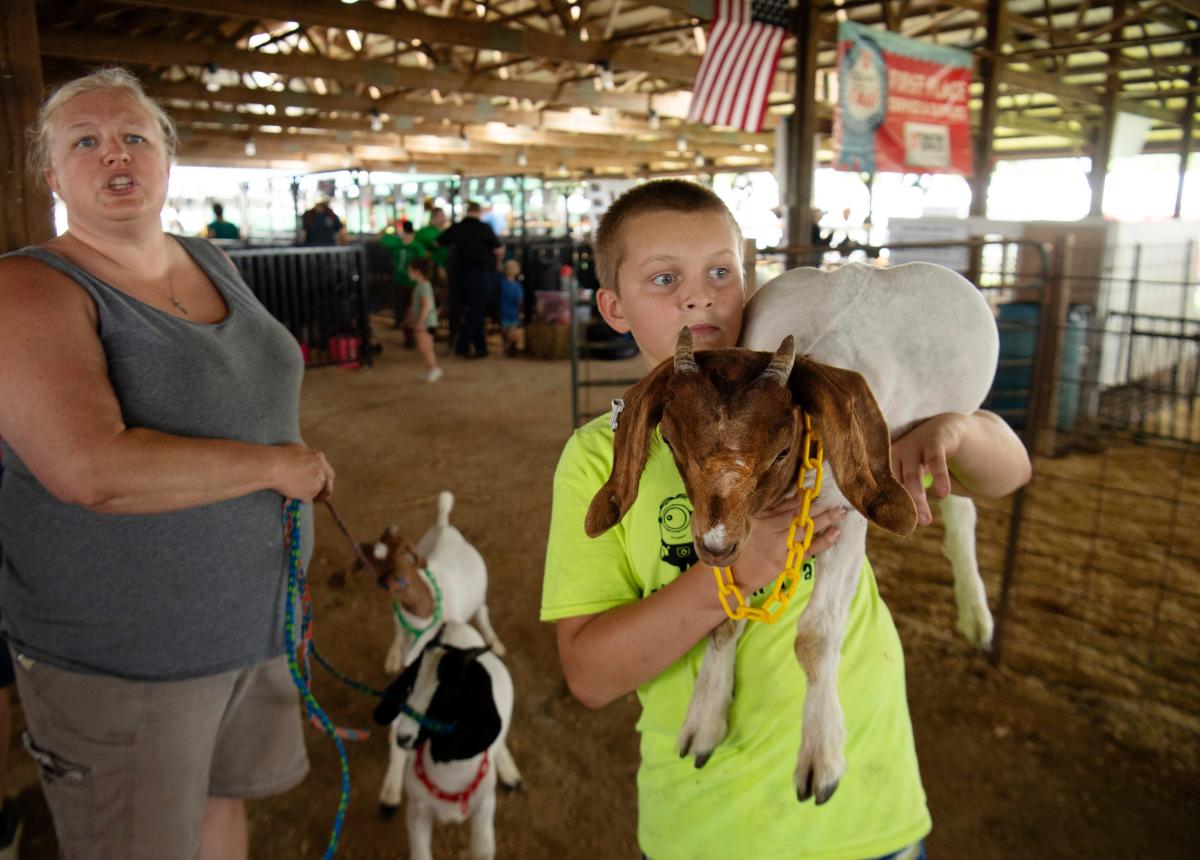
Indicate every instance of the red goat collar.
{"type": "Point", "coordinates": [462, 798]}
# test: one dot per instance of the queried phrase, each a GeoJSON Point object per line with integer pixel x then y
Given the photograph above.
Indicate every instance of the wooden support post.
{"type": "Point", "coordinates": [989, 72]}
{"type": "Point", "coordinates": [28, 217]}
{"type": "Point", "coordinates": [802, 130]}
{"type": "Point", "coordinates": [1188, 126]}
{"type": "Point", "coordinates": [1042, 417]}
{"type": "Point", "coordinates": [1102, 145]}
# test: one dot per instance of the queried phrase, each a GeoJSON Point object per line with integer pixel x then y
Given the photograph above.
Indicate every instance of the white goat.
{"type": "Point", "coordinates": [899, 344]}
{"type": "Point", "coordinates": [443, 565]}
{"type": "Point", "coordinates": [451, 707]}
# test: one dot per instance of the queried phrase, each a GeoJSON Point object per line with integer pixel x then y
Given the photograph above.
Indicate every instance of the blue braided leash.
{"type": "Point", "coordinates": [297, 587]}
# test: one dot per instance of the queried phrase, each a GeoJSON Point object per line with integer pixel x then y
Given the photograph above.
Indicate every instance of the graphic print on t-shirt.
{"type": "Point", "coordinates": [677, 548]}
{"type": "Point", "coordinates": [675, 530]}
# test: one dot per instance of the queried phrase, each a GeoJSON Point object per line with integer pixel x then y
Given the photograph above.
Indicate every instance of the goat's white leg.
{"type": "Point", "coordinates": [506, 766]}
{"type": "Point", "coordinates": [419, 819]}
{"type": "Point", "coordinates": [484, 622]}
{"type": "Point", "coordinates": [394, 663]}
{"type": "Point", "coordinates": [819, 635]}
{"type": "Point", "coordinates": [393, 781]}
{"type": "Point", "coordinates": [974, 617]}
{"type": "Point", "coordinates": [483, 831]}
{"type": "Point", "coordinates": [705, 725]}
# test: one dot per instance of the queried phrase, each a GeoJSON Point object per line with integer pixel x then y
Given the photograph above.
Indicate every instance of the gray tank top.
{"type": "Point", "coordinates": [175, 595]}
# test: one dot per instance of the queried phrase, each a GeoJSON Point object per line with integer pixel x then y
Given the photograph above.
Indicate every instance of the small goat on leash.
{"type": "Point", "coordinates": [451, 708]}
{"type": "Point", "coordinates": [443, 579]}
{"type": "Point", "coordinates": [879, 351]}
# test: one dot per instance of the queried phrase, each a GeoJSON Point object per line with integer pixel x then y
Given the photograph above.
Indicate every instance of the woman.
{"type": "Point", "coordinates": [151, 434]}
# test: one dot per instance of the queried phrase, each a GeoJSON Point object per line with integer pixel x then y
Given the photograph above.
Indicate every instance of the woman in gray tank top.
{"type": "Point", "coordinates": [151, 433]}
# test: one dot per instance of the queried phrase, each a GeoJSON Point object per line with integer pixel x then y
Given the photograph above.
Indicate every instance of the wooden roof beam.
{"type": "Point", "coordinates": [400, 110]}
{"type": "Point", "coordinates": [466, 32]}
{"type": "Point", "coordinates": [99, 46]}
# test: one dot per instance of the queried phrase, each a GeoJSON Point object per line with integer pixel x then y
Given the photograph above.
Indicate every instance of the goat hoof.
{"type": "Point", "coordinates": [702, 759]}
{"type": "Point", "coordinates": [804, 792]}
{"type": "Point", "coordinates": [826, 792]}
{"type": "Point", "coordinates": [512, 787]}
{"type": "Point", "coordinates": [387, 812]}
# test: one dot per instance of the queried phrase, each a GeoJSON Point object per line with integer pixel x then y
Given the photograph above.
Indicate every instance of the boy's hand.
{"type": "Point", "coordinates": [927, 448]}
{"type": "Point", "coordinates": [765, 553]}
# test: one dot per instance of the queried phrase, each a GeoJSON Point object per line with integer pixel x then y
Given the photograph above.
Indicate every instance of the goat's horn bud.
{"type": "Point", "coordinates": [780, 367]}
{"type": "Point", "coordinates": [685, 360]}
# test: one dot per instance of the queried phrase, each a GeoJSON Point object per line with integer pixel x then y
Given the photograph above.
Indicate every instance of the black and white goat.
{"type": "Point", "coordinates": [449, 714]}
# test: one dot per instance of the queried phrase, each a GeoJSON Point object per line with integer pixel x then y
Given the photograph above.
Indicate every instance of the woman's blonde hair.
{"type": "Point", "coordinates": [112, 78]}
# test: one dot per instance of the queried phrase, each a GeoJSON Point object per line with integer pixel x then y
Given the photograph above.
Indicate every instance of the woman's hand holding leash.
{"type": "Point", "coordinates": [302, 473]}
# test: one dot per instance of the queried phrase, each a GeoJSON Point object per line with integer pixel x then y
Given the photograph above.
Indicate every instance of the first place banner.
{"type": "Point", "coordinates": [902, 104]}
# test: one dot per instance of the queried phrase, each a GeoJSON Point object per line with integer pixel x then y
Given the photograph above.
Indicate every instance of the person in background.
{"type": "Point", "coordinates": [321, 226]}
{"type": "Point", "coordinates": [476, 254]}
{"type": "Point", "coordinates": [422, 315]}
{"type": "Point", "coordinates": [219, 228]}
{"type": "Point", "coordinates": [445, 296]}
{"type": "Point", "coordinates": [401, 241]}
{"type": "Point", "coordinates": [512, 296]}
{"type": "Point", "coordinates": [151, 438]}
{"type": "Point", "coordinates": [493, 219]}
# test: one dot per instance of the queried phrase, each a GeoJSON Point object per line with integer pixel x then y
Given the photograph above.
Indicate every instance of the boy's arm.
{"type": "Point", "coordinates": [606, 655]}
{"type": "Point", "coordinates": [979, 451]}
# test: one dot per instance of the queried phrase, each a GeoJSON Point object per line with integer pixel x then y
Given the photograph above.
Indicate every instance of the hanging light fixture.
{"type": "Point", "coordinates": [681, 143]}
{"type": "Point", "coordinates": [250, 149]}
{"type": "Point", "coordinates": [376, 120]}
{"type": "Point", "coordinates": [655, 122]}
{"type": "Point", "coordinates": [522, 159]}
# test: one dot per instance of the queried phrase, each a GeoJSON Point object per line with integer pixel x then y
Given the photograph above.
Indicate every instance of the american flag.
{"type": "Point", "coordinates": [738, 68]}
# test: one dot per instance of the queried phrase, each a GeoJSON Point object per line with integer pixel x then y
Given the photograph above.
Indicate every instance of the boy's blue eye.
{"type": "Point", "coordinates": [663, 280]}
{"type": "Point", "coordinates": [135, 138]}
{"type": "Point", "coordinates": [86, 140]}
{"type": "Point", "coordinates": [719, 272]}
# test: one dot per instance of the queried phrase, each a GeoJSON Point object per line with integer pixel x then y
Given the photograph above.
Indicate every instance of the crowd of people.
{"type": "Point", "coordinates": [143, 579]}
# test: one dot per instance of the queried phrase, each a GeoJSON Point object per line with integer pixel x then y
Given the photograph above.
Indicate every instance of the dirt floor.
{"type": "Point", "coordinates": [1013, 768]}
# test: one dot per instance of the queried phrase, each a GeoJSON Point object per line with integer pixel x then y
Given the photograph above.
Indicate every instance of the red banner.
{"type": "Point", "coordinates": [902, 104]}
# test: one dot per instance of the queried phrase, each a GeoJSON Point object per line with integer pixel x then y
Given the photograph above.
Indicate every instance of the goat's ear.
{"type": "Point", "coordinates": [631, 445]}
{"type": "Point", "coordinates": [857, 442]}
{"type": "Point", "coordinates": [476, 719]}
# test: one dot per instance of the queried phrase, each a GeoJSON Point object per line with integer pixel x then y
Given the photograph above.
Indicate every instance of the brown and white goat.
{"type": "Point", "coordinates": [732, 419]}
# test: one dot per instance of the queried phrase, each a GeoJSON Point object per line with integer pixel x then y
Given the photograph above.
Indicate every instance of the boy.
{"type": "Point", "coordinates": [633, 608]}
{"type": "Point", "coordinates": [512, 296]}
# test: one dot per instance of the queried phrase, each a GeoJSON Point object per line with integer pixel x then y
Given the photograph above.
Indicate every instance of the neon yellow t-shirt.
{"type": "Point", "coordinates": [742, 802]}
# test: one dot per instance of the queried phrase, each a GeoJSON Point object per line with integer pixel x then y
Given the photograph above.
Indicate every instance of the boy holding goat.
{"type": "Point", "coordinates": [634, 609]}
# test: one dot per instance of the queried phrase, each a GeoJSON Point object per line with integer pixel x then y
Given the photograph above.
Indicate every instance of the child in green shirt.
{"type": "Point", "coordinates": [633, 607]}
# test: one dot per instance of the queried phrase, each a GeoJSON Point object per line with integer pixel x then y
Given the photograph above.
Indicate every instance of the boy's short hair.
{"type": "Point", "coordinates": [658, 195]}
{"type": "Point", "coordinates": [424, 265]}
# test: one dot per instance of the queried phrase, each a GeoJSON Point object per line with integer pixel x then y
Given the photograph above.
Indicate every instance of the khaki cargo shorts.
{"type": "Point", "coordinates": [127, 766]}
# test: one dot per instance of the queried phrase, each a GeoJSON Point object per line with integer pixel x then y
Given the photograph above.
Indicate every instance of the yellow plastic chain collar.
{"type": "Point", "coordinates": [789, 578]}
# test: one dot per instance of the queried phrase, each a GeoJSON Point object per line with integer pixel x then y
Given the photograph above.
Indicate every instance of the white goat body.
{"type": "Point", "coordinates": [461, 575]}
{"type": "Point", "coordinates": [408, 738]}
{"type": "Point", "coordinates": [926, 343]}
